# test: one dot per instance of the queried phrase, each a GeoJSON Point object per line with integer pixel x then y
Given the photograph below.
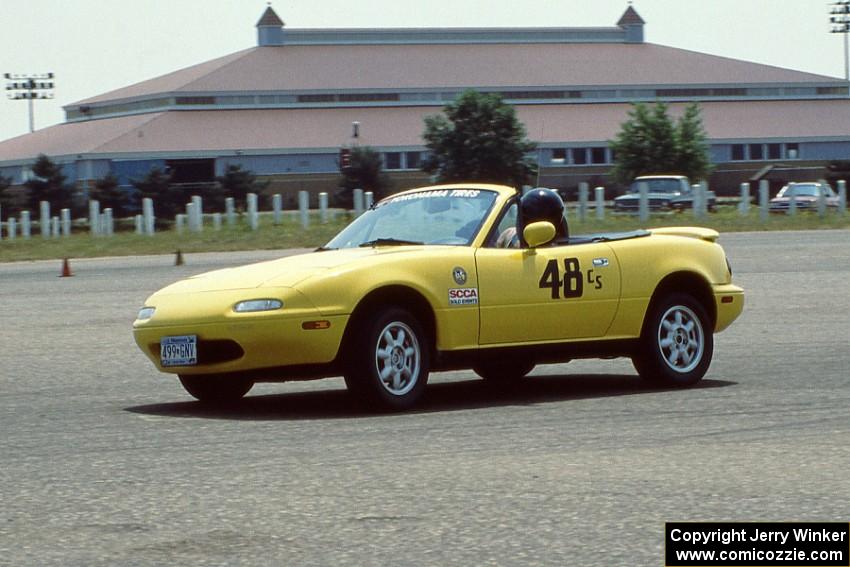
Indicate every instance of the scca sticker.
{"type": "Point", "coordinates": [463, 296]}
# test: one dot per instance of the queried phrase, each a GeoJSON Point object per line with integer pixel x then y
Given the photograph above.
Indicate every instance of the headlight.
{"type": "Point", "coordinates": [254, 305]}
{"type": "Point", "coordinates": [145, 313]}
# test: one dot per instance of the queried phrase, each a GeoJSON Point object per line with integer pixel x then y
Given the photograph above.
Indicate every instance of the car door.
{"type": "Point", "coordinates": [546, 294]}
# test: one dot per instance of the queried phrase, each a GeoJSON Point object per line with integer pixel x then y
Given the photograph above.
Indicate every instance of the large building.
{"type": "Point", "coordinates": [284, 108]}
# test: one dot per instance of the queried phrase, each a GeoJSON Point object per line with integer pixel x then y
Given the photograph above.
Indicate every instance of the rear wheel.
{"type": "Point", "coordinates": [677, 342]}
{"type": "Point", "coordinates": [388, 360]}
{"type": "Point", "coordinates": [216, 388]}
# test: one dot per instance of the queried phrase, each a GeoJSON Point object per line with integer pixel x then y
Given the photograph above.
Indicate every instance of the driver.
{"type": "Point", "coordinates": [539, 204]}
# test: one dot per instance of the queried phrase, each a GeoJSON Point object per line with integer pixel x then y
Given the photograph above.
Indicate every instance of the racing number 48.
{"type": "Point", "coordinates": [572, 283]}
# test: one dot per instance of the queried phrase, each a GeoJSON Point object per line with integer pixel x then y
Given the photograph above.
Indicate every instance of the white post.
{"type": "Point", "coordinates": [44, 219]}
{"type": "Point", "coordinates": [198, 211]}
{"type": "Point", "coordinates": [792, 199]}
{"type": "Point", "coordinates": [54, 227]}
{"type": "Point", "coordinates": [323, 207]}
{"type": "Point", "coordinates": [599, 193]}
{"type": "Point", "coordinates": [703, 199]}
{"type": "Point", "coordinates": [304, 208]}
{"type": "Point", "coordinates": [277, 206]}
{"type": "Point", "coordinates": [583, 190]}
{"type": "Point", "coordinates": [1, 223]}
{"type": "Point", "coordinates": [109, 222]}
{"type": "Point", "coordinates": [764, 200]}
{"type": "Point", "coordinates": [821, 203]}
{"type": "Point", "coordinates": [643, 201]}
{"type": "Point", "coordinates": [842, 197]}
{"type": "Point", "coordinates": [147, 213]}
{"type": "Point", "coordinates": [253, 214]}
{"type": "Point", "coordinates": [368, 200]}
{"type": "Point", "coordinates": [358, 202]}
{"type": "Point", "coordinates": [178, 223]}
{"type": "Point", "coordinates": [744, 203]}
{"type": "Point", "coordinates": [190, 216]}
{"type": "Point", "coordinates": [11, 228]}
{"type": "Point", "coordinates": [216, 221]}
{"type": "Point", "coordinates": [66, 222]}
{"type": "Point", "coordinates": [94, 217]}
{"type": "Point", "coordinates": [140, 224]}
{"type": "Point", "coordinates": [26, 224]}
{"type": "Point", "coordinates": [230, 211]}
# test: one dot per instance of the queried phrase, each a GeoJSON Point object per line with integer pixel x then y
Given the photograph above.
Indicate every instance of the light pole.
{"type": "Point", "coordinates": [839, 17]}
{"type": "Point", "coordinates": [29, 88]}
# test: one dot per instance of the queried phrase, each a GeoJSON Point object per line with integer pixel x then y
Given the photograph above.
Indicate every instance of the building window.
{"type": "Point", "coordinates": [792, 150]}
{"type": "Point", "coordinates": [559, 156]}
{"type": "Point", "coordinates": [316, 98]}
{"type": "Point", "coordinates": [774, 151]}
{"type": "Point", "coordinates": [414, 159]}
{"type": "Point", "coordinates": [580, 156]}
{"type": "Point", "coordinates": [737, 152]}
{"type": "Point", "coordinates": [756, 152]}
{"type": "Point", "coordinates": [597, 155]}
{"type": "Point", "coordinates": [195, 100]}
{"type": "Point", "coordinates": [392, 160]}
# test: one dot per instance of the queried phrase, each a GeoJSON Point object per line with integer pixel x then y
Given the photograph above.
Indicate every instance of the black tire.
{"type": "Point", "coordinates": [388, 360]}
{"type": "Point", "coordinates": [677, 342]}
{"type": "Point", "coordinates": [216, 388]}
{"type": "Point", "coordinates": [501, 371]}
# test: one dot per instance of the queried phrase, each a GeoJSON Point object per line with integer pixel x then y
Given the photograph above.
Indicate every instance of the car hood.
{"type": "Point", "coordinates": [800, 199]}
{"type": "Point", "coordinates": [284, 272]}
{"type": "Point", "coordinates": [651, 195]}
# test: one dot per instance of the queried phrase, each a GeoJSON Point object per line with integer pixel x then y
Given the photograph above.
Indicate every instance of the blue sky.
{"type": "Point", "coordinates": [94, 46]}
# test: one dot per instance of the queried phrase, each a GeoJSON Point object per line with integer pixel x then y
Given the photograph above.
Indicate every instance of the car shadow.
{"type": "Point", "coordinates": [439, 397]}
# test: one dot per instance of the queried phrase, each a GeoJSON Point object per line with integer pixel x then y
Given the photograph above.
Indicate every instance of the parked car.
{"type": "Point", "coordinates": [666, 192]}
{"type": "Point", "coordinates": [806, 196]}
{"type": "Point", "coordinates": [420, 283]}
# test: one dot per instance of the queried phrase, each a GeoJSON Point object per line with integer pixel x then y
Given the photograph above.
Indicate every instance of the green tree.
{"type": "Point", "coordinates": [365, 172]}
{"type": "Point", "coordinates": [650, 142]}
{"type": "Point", "coordinates": [237, 183]}
{"type": "Point", "coordinates": [691, 145]}
{"type": "Point", "coordinates": [48, 185]}
{"type": "Point", "coordinates": [478, 138]}
{"type": "Point", "coordinates": [107, 192]}
{"type": "Point", "coordinates": [168, 199]}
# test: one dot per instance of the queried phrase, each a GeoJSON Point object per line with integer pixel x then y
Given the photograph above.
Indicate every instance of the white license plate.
{"type": "Point", "coordinates": [179, 351]}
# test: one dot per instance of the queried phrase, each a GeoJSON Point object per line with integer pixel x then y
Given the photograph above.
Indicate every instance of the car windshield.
{"type": "Point", "coordinates": [801, 190]}
{"type": "Point", "coordinates": [657, 185]}
{"type": "Point", "coordinates": [436, 216]}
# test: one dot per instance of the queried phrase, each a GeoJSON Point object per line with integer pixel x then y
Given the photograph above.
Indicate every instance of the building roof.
{"type": "Point", "coordinates": [214, 132]}
{"type": "Point", "coordinates": [374, 67]}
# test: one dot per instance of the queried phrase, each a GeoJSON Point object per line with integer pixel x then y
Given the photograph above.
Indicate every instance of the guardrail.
{"type": "Point", "coordinates": [102, 223]}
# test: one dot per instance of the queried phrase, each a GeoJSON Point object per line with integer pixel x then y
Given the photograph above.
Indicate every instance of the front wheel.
{"type": "Point", "coordinates": [215, 388]}
{"type": "Point", "coordinates": [388, 361]}
{"type": "Point", "coordinates": [677, 342]}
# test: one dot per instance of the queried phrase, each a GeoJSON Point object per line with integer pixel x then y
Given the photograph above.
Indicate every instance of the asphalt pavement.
{"type": "Point", "coordinates": [105, 461]}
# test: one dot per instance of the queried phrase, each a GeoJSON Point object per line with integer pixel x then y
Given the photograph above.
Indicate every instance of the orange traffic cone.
{"type": "Point", "coordinates": [179, 260]}
{"type": "Point", "coordinates": [66, 269]}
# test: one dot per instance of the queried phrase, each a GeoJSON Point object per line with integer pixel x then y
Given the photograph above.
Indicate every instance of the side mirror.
{"type": "Point", "coordinates": [539, 233]}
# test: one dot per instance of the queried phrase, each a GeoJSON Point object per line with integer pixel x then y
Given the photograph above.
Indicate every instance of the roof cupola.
{"type": "Point", "coordinates": [633, 24]}
{"type": "Point", "coordinates": [270, 28]}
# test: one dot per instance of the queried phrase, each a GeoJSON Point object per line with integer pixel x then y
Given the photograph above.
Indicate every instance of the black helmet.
{"type": "Point", "coordinates": [541, 204]}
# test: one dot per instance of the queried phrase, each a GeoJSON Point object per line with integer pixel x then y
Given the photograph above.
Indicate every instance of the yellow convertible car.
{"type": "Point", "coordinates": [447, 277]}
